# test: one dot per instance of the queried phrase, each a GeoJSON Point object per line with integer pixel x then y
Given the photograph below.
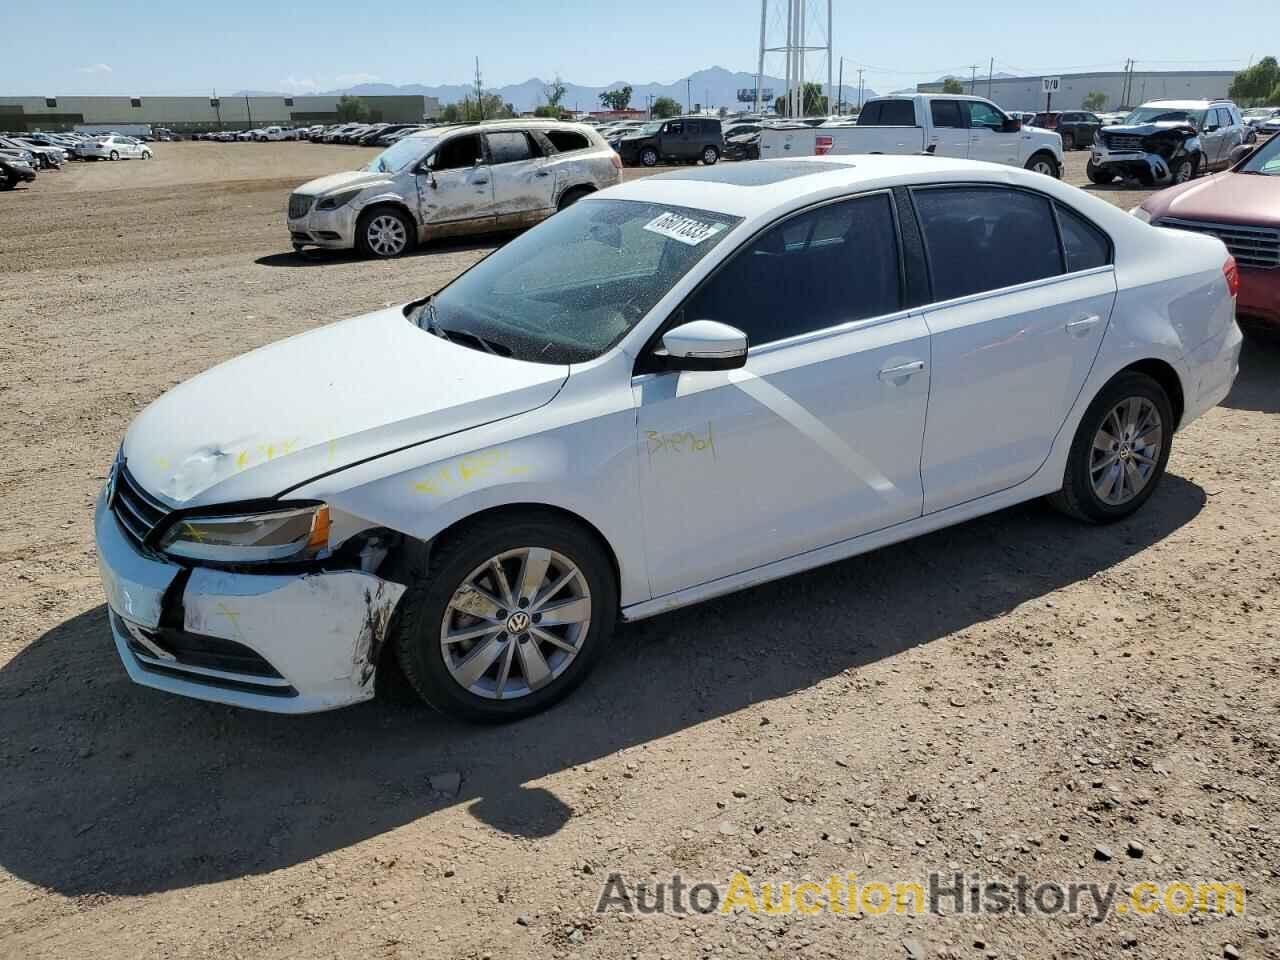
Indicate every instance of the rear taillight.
{"type": "Point", "coordinates": [822, 146]}
{"type": "Point", "coordinates": [1232, 273]}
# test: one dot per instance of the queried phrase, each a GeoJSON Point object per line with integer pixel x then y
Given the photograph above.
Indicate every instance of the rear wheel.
{"type": "Point", "coordinates": [510, 617]}
{"type": "Point", "coordinates": [710, 155]}
{"type": "Point", "coordinates": [384, 232]}
{"type": "Point", "coordinates": [570, 197]}
{"type": "Point", "coordinates": [115, 155]}
{"type": "Point", "coordinates": [1097, 174]}
{"type": "Point", "coordinates": [1068, 141]}
{"type": "Point", "coordinates": [649, 157]}
{"type": "Point", "coordinates": [1119, 452]}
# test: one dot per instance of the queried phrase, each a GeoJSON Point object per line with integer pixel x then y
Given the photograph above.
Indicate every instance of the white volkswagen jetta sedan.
{"type": "Point", "coordinates": [680, 387]}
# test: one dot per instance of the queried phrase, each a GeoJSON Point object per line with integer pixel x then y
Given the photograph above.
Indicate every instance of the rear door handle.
{"type": "Point", "coordinates": [902, 370]}
{"type": "Point", "coordinates": [1078, 328]}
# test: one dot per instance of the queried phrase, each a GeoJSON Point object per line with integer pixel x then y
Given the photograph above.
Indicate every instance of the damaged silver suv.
{"type": "Point", "coordinates": [1168, 141]}
{"type": "Point", "coordinates": [453, 180]}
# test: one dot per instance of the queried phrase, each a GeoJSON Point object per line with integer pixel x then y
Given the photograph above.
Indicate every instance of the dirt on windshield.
{"type": "Point", "coordinates": [1016, 696]}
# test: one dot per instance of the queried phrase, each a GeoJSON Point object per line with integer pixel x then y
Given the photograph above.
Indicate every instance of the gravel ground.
{"type": "Point", "coordinates": [1002, 697]}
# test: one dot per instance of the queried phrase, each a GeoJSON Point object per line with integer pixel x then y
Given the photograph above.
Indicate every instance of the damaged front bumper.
{"type": "Point", "coordinates": [285, 643]}
{"type": "Point", "coordinates": [330, 229]}
{"type": "Point", "coordinates": [1134, 164]}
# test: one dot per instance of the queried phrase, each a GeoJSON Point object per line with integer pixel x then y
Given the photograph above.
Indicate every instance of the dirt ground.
{"type": "Point", "coordinates": [1000, 698]}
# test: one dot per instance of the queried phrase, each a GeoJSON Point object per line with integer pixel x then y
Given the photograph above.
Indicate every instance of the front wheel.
{"type": "Point", "coordinates": [1097, 174]}
{"type": "Point", "coordinates": [384, 232]}
{"type": "Point", "coordinates": [146, 154]}
{"type": "Point", "coordinates": [115, 155]}
{"type": "Point", "coordinates": [1043, 163]}
{"type": "Point", "coordinates": [1183, 170]}
{"type": "Point", "coordinates": [649, 157]}
{"type": "Point", "coordinates": [1119, 452]}
{"type": "Point", "coordinates": [710, 155]}
{"type": "Point", "coordinates": [510, 617]}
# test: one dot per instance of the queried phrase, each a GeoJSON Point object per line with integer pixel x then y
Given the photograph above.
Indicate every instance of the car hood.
{"type": "Point", "coordinates": [274, 418]}
{"type": "Point", "coordinates": [1150, 129]}
{"type": "Point", "coordinates": [1244, 198]}
{"type": "Point", "coordinates": [342, 181]}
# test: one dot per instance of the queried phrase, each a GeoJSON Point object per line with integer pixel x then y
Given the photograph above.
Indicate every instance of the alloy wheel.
{"type": "Point", "coordinates": [1126, 450]}
{"type": "Point", "coordinates": [1044, 167]}
{"type": "Point", "coordinates": [516, 623]}
{"type": "Point", "coordinates": [387, 235]}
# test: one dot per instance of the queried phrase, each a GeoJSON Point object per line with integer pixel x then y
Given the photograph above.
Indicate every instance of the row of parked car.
{"type": "Point", "coordinates": [363, 134]}
{"type": "Point", "coordinates": [23, 154]}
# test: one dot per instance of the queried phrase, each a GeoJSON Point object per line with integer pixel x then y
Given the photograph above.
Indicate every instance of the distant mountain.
{"type": "Point", "coordinates": [714, 87]}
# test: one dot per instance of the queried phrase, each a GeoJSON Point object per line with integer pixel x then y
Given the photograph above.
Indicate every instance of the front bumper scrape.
{"type": "Point", "coordinates": [305, 641]}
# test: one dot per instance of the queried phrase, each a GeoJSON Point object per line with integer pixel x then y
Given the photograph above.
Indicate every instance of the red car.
{"type": "Point", "coordinates": [1241, 207]}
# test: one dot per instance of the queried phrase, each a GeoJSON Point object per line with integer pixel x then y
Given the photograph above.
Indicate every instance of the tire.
{"type": "Point", "coordinates": [649, 157]}
{"type": "Point", "coordinates": [376, 235]}
{"type": "Point", "coordinates": [1068, 141]}
{"type": "Point", "coordinates": [115, 155]}
{"type": "Point", "coordinates": [1097, 174]}
{"type": "Point", "coordinates": [8, 183]}
{"type": "Point", "coordinates": [710, 155]}
{"type": "Point", "coordinates": [1183, 170]}
{"type": "Point", "coordinates": [1043, 163]}
{"type": "Point", "coordinates": [1080, 496]}
{"type": "Point", "coordinates": [146, 154]}
{"type": "Point", "coordinates": [570, 197]}
{"type": "Point", "coordinates": [427, 611]}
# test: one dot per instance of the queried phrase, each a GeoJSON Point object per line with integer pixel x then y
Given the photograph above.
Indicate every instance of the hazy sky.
{"type": "Point", "coordinates": [137, 47]}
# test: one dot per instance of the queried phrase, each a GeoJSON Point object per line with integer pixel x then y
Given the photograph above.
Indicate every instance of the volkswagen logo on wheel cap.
{"type": "Point", "coordinates": [518, 622]}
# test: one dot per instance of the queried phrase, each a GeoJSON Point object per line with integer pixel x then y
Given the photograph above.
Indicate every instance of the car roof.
{"type": "Point", "coordinates": [484, 126]}
{"type": "Point", "coordinates": [765, 188]}
{"type": "Point", "coordinates": [1184, 104]}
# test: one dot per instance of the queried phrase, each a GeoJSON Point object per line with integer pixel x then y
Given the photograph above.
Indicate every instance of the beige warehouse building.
{"type": "Point", "coordinates": [201, 113]}
{"type": "Point", "coordinates": [1121, 89]}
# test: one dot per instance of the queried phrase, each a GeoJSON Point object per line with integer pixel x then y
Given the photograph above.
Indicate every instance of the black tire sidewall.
{"type": "Point", "coordinates": [1132, 384]}
{"type": "Point", "coordinates": [416, 633]}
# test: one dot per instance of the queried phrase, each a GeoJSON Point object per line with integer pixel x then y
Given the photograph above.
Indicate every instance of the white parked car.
{"type": "Point", "coordinates": [946, 126]}
{"type": "Point", "coordinates": [115, 147]}
{"type": "Point", "coordinates": [684, 386]}
{"type": "Point", "coordinates": [271, 133]}
{"type": "Point", "coordinates": [450, 181]}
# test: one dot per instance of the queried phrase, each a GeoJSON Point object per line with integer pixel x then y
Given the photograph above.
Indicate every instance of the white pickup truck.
{"type": "Point", "coordinates": [946, 126]}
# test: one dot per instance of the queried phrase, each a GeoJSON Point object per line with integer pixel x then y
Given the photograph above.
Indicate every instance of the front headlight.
{"type": "Point", "coordinates": [290, 534]}
{"type": "Point", "coordinates": [1141, 214]}
{"type": "Point", "coordinates": [334, 201]}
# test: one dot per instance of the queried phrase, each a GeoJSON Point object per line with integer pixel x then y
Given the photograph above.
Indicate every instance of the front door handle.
{"type": "Point", "coordinates": [480, 183]}
{"type": "Point", "coordinates": [542, 173]}
{"type": "Point", "coordinates": [902, 370]}
{"type": "Point", "coordinates": [1078, 328]}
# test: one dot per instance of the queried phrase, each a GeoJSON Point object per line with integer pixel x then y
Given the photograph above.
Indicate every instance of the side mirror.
{"type": "Point", "coordinates": [1011, 125]}
{"type": "Point", "coordinates": [1238, 153]}
{"type": "Point", "coordinates": [704, 345]}
{"type": "Point", "coordinates": [1210, 128]}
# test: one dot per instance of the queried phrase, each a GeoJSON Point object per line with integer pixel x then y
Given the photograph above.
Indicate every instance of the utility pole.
{"type": "Point", "coordinates": [249, 110]}
{"type": "Point", "coordinates": [860, 89]}
{"type": "Point", "coordinates": [973, 77]}
{"type": "Point", "coordinates": [764, 7]}
{"type": "Point", "coordinates": [217, 107]}
{"type": "Point", "coordinates": [840, 95]}
{"type": "Point", "coordinates": [479, 94]}
{"type": "Point", "coordinates": [688, 95]}
{"type": "Point", "coordinates": [990, 71]}
{"type": "Point", "coordinates": [829, 90]}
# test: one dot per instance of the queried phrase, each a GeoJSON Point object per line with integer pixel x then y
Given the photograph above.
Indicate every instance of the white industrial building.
{"type": "Point", "coordinates": [201, 113]}
{"type": "Point", "coordinates": [1027, 93]}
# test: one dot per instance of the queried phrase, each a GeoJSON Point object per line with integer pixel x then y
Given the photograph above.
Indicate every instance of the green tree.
{"type": "Point", "coordinates": [1095, 100]}
{"type": "Point", "coordinates": [815, 102]}
{"type": "Point", "coordinates": [617, 99]}
{"type": "Point", "coordinates": [952, 86]}
{"type": "Point", "coordinates": [473, 111]}
{"type": "Point", "coordinates": [351, 109]}
{"type": "Point", "coordinates": [1256, 85]}
{"type": "Point", "coordinates": [665, 107]}
{"type": "Point", "coordinates": [554, 92]}
{"type": "Point", "coordinates": [547, 110]}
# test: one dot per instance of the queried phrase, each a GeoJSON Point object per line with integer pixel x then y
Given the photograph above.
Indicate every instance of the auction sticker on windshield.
{"type": "Point", "coordinates": [684, 229]}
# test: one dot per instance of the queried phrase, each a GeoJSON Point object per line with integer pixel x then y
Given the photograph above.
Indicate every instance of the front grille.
{"type": "Point", "coordinates": [299, 205]}
{"type": "Point", "coordinates": [1122, 141]}
{"type": "Point", "coordinates": [1257, 247]}
{"type": "Point", "coordinates": [138, 512]}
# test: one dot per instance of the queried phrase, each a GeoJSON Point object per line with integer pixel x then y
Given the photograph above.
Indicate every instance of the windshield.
{"type": "Point", "coordinates": [1162, 115]}
{"type": "Point", "coordinates": [572, 287]}
{"type": "Point", "coordinates": [1265, 160]}
{"type": "Point", "coordinates": [401, 154]}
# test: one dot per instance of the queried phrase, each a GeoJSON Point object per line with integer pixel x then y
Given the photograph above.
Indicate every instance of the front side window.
{"type": "Point", "coordinates": [985, 115]}
{"type": "Point", "coordinates": [986, 238]}
{"type": "Point", "coordinates": [569, 289]}
{"type": "Point", "coordinates": [675, 129]}
{"type": "Point", "coordinates": [508, 146]}
{"type": "Point", "coordinates": [831, 265]}
{"type": "Point", "coordinates": [458, 153]}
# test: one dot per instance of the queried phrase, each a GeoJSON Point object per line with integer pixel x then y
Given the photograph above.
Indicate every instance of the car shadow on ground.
{"type": "Point", "coordinates": [106, 787]}
{"type": "Point", "coordinates": [316, 257]}
{"type": "Point", "coordinates": [1257, 386]}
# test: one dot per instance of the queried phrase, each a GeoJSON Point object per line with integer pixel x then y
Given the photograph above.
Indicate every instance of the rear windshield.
{"type": "Point", "coordinates": [888, 113]}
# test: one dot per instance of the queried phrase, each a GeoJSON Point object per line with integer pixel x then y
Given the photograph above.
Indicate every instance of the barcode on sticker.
{"type": "Point", "coordinates": [682, 228]}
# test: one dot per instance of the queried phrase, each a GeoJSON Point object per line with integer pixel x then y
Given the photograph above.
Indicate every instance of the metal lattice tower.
{"type": "Point", "coordinates": [787, 27]}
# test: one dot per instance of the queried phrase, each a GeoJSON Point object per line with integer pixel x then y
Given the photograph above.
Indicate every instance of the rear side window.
{"type": "Point", "coordinates": [829, 266]}
{"type": "Point", "coordinates": [1086, 246]}
{"type": "Point", "coordinates": [897, 113]}
{"type": "Point", "coordinates": [508, 147]}
{"type": "Point", "coordinates": [986, 238]}
{"type": "Point", "coordinates": [566, 140]}
{"type": "Point", "coordinates": [945, 113]}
